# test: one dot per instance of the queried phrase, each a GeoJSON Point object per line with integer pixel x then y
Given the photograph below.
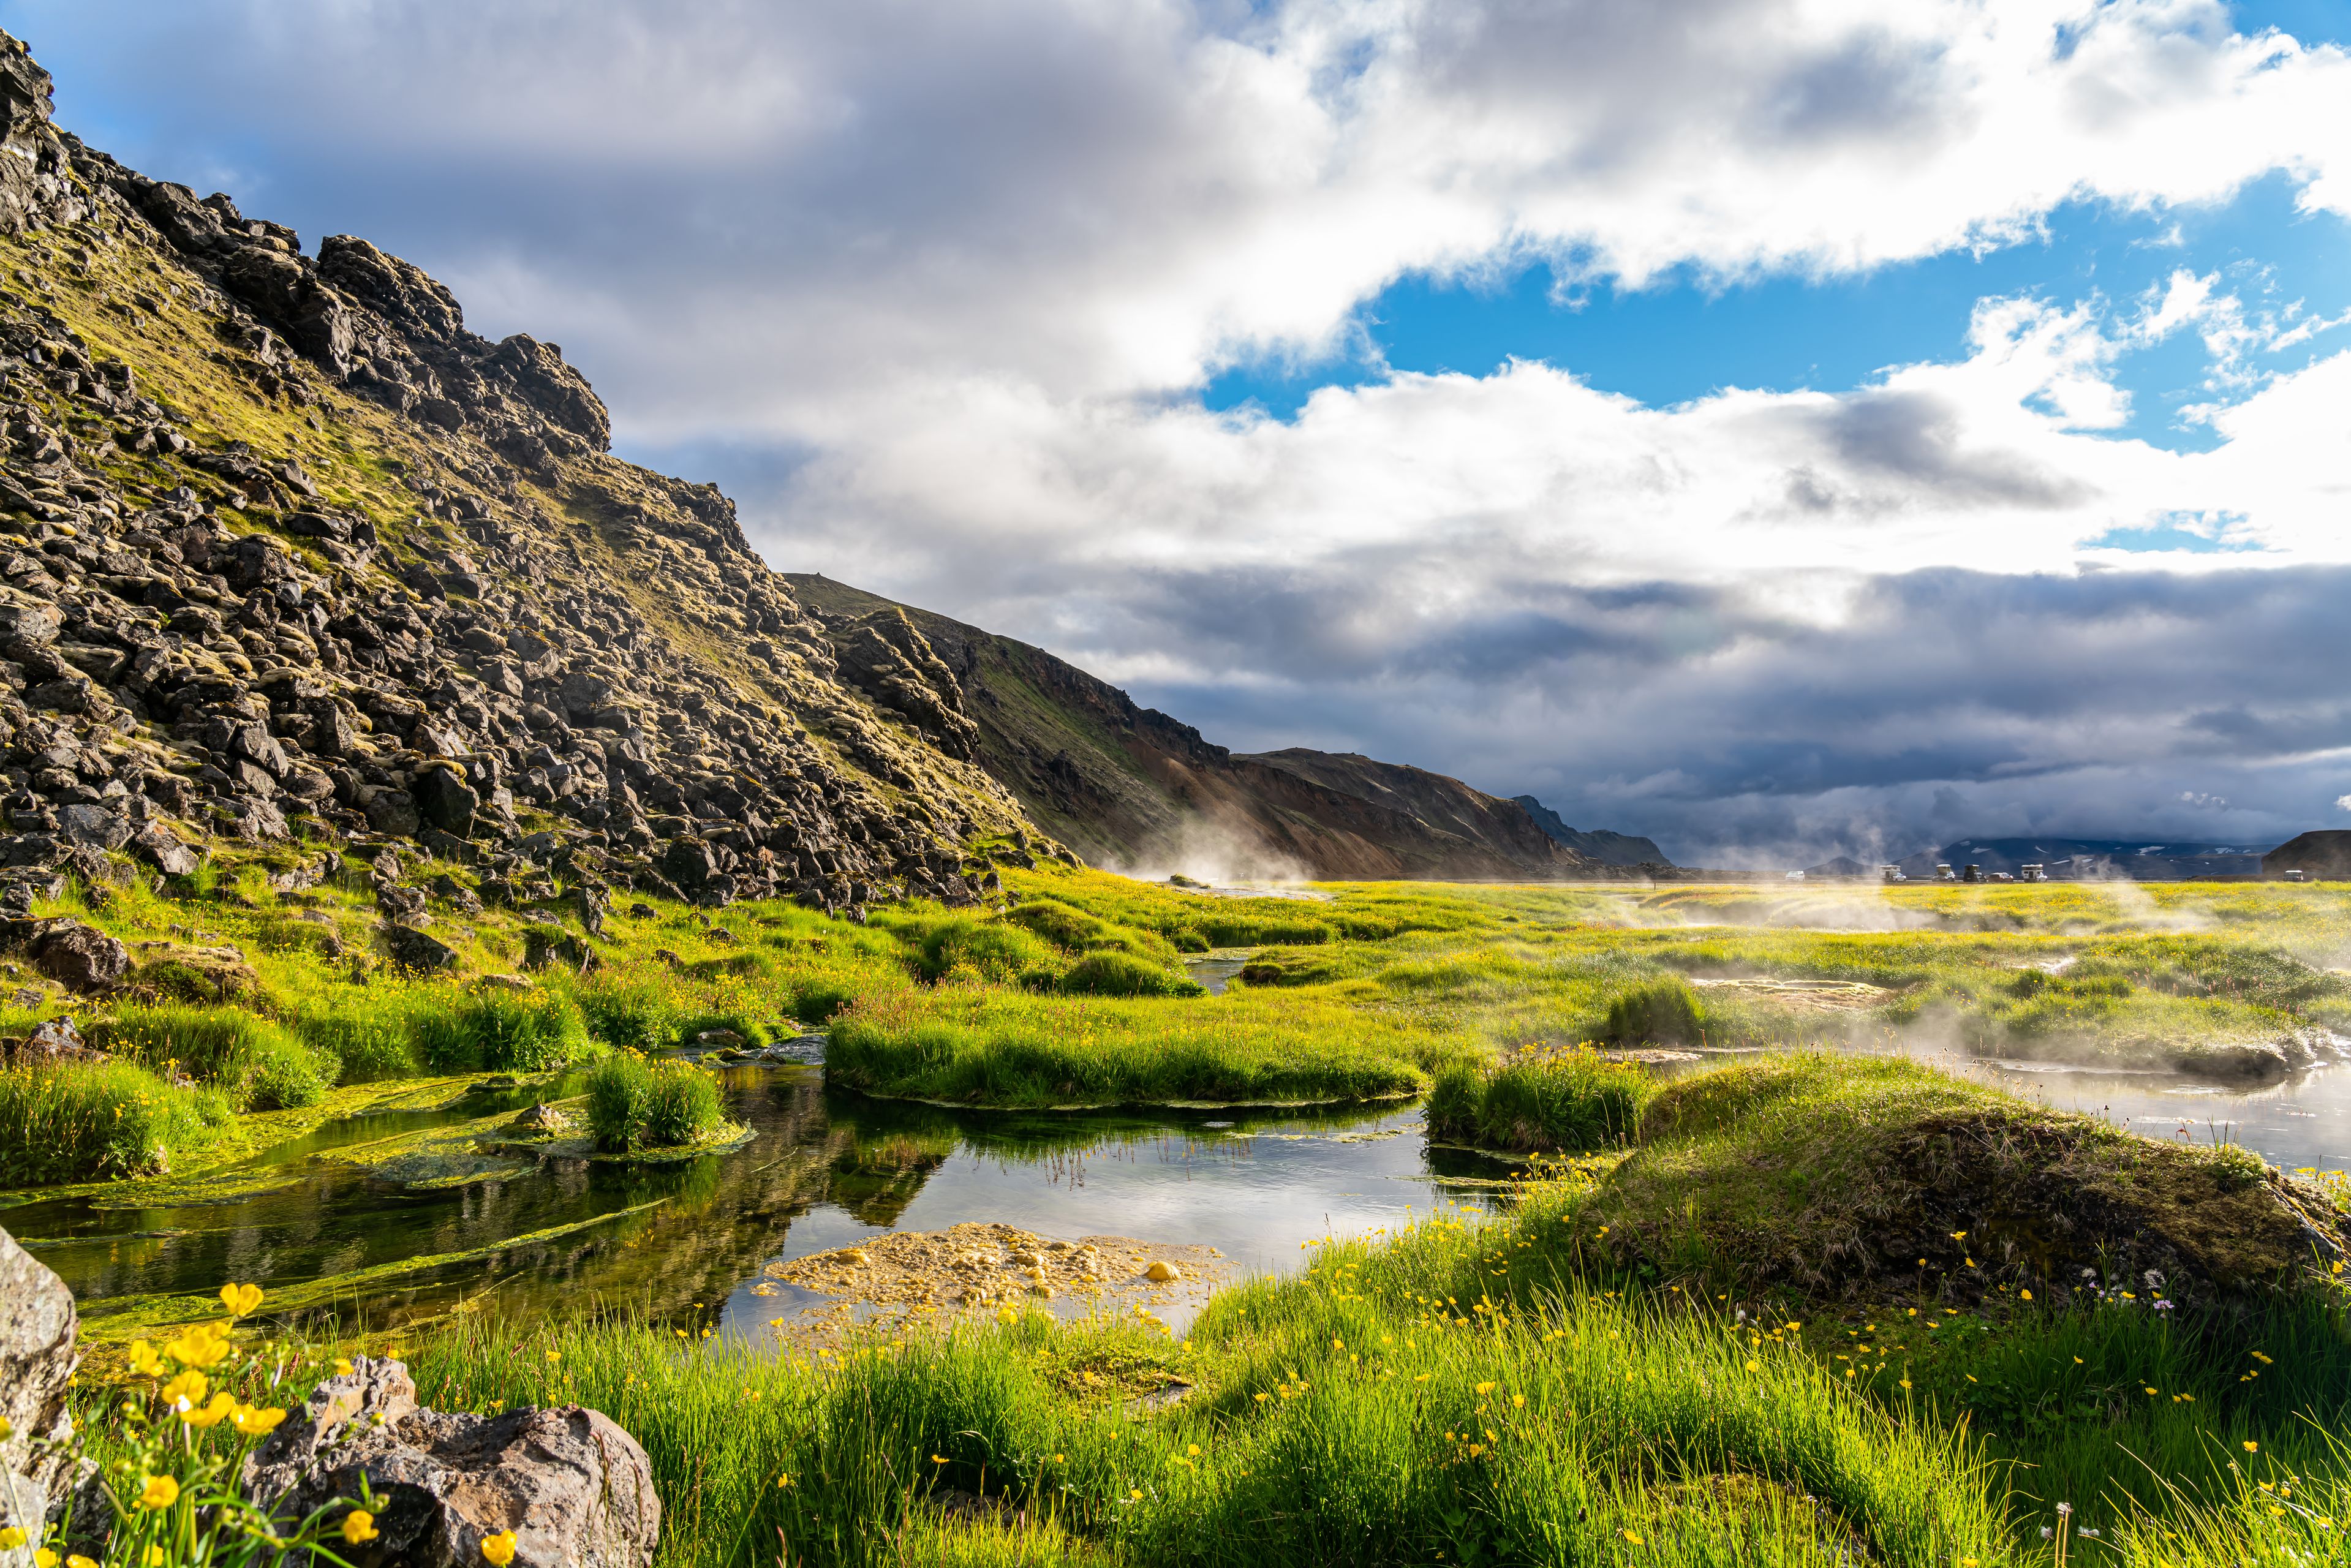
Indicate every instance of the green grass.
{"type": "Point", "coordinates": [1859, 1177]}
{"type": "Point", "coordinates": [85, 1121]}
{"type": "Point", "coordinates": [633, 1103]}
{"type": "Point", "coordinates": [997, 1047]}
{"type": "Point", "coordinates": [257, 1064]}
{"type": "Point", "coordinates": [1570, 1099]}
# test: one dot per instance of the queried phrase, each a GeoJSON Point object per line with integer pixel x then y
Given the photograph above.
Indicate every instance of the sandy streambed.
{"type": "Point", "coordinates": [979, 1267]}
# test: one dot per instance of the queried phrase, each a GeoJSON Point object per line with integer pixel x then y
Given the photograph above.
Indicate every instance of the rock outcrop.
{"type": "Point", "coordinates": [576, 1490]}
{"type": "Point", "coordinates": [287, 549]}
{"type": "Point", "coordinates": [38, 1357]}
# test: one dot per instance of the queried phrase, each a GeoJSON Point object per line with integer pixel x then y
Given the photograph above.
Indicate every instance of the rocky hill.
{"type": "Point", "coordinates": [1610, 849]}
{"type": "Point", "coordinates": [289, 557]}
{"type": "Point", "coordinates": [1129, 786]}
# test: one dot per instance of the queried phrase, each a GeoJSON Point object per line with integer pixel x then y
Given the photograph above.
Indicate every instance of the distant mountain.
{"type": "Point", "coordinates": [1843, 866]}
{"type": "Point", "coordinates": [1125, 785]}
{"type": "Point", "coordinates": [2137, 860]}
{"type": "Point", "coordinates": [2322, 855]}
{"type": "Point", "coordinates": [1609, 848]}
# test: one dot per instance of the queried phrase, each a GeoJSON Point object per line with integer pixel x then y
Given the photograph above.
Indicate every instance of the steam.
{"type": "Point", "coordinates": [1214, 853]}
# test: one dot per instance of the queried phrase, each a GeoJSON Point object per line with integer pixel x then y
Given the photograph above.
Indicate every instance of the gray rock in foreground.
{"type": "Point", "coordinates": [38, 1357]}
{"type": "Point", "coordinates": [574, 1488]}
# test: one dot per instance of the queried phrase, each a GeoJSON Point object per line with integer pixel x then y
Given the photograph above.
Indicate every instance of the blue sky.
{"type": "Point", "coordinates": [1686, 336]}
{"type": "Point", "coordinates": [1783, 427]}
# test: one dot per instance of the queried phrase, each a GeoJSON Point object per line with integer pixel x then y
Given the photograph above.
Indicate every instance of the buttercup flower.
{"type": "Point", "coordinates": [211, 1414]}
{"type": "Point", "coordinates": [254, 1423]}
{"type": "Point", "coordinates": [498, 1550]}
{"type": "Point", "coordinates": [358, 1527]}
{"type": "Point", "coordinates": [240, 1299]}
{"type": "Point", "coordinates": [159, 1492]}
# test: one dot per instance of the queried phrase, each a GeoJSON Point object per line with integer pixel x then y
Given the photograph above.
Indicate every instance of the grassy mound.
{"type": "Point", "coordinates": [1836, 1176]}
{"type": "Point", "coordinates": [1540, 1101]}
{"type": "Point", "coordinates": [81, 1121]}
{"type": "Point", "coordinates": [633, 1103]}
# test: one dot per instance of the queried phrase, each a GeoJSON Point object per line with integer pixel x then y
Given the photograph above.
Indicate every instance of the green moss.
{"type": "Point", "coordinates": [1869, 1177]}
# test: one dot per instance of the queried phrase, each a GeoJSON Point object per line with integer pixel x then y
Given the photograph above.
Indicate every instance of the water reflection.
{"type": "Point", "coordinates": [687, 1242]}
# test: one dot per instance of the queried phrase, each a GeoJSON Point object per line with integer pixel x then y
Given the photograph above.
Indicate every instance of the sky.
{"type": "Point", "coordinates": [1780, 427]}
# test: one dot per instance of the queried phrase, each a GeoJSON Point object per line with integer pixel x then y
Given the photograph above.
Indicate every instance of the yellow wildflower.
{"type": "Point", "coordinates": [11, 1538]}
{"type": "Point", "coordinates": [256, 1423]}
{"type": "Point", "coordinates": [159, 1492]}
{"type": "Point", "coordinates": [358, 1527]}
{"type": "Point", "coordinates": [211, 1414]}
{"type": "Point", "coordinates": [498, 1550]}
{"type": "Point", "coordinates": [342, 1366]}
{"type": "Point", "coordinates": [240, 1299]}
{"type": "Point", "coordinates": [183, 1392]}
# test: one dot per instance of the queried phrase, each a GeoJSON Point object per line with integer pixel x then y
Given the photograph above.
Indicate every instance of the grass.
{"type": "Point", "coordinates": [84, 1121]}
{"type": "Point", "coordinates": [1477, 1390]}
{"type": "Point", "coordinates": [1861, 1175]}
{"type": "Point", "coordinates": [997, 1047]}
{"type": "Point", "coordinates": [633, 1103]}
{"type": "Point", "coordinates": [1536, 1100]}
{"type": "Point", "coordinates": [259, 1065]}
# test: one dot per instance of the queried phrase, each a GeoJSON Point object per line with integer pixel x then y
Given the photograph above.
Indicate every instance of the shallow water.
{"type": "Point", "coordinates": [1213, 971]}
{"type": "Point", "coordinates": [2302, 1122]}
{"type": "Point", "coordinates": [819, 1171]}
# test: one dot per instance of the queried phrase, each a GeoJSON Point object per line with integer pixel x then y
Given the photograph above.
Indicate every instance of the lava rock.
{"type": "Point", "coordinates": [445, 801]}
{"type": "Point", "coordinates": [92, 827]}
{"type": "Point", "coordinates": [575, 1488]}
{"type": "Point", "coordinates": [419, 950]}
{"type": "Point", "coordinates": [78, 956]}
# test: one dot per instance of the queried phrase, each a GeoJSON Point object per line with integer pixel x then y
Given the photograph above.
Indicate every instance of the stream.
{"type": "Point", "coordinates": [686, 1243]}
{"type": "Point", "coordinates": [689, 1244]}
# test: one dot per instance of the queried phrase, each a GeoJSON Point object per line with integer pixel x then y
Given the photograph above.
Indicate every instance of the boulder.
{"type": "Point", "coordinates": [38, 1357]}
{"type": "Point", "coordinates": [573, 1486]}
{"type": "Point", "coordinates": [393, 813]}
{"type": "Point", "coordinates": [92, 827]}
{"type": "Point", "coordinates": [166, 852]}
{"type": "Point", "coordinates": [78, 956]}
{"type": "Point", "coordinates": [688, 864]}
{"type": "Point", "coordinates": [445, 801]}
{"type": "Point", "coordinates": [32, 622]}
{"type": "Point", "coordinates": [419, 950]}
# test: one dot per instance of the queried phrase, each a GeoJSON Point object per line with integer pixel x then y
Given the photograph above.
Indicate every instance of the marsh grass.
{"type": "Point", "coordinates": [633, 1103]}
{"type": "Point", "coordinates": [257, 1064]}
{"type": "Point", "coordinates": [1009, 1048]}
{"type": "Point", "coordinates": [83, 1121]}
{"type": "Point", "coordinates": [1541, 1099]}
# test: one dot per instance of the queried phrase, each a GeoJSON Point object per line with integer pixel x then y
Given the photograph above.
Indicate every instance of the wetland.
{"type": "Point", "coordinates": [1763, 1227]}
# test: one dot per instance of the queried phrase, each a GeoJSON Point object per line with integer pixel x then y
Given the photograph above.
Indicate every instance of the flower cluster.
{"type": "Point", "coordinates": [176, 1495]}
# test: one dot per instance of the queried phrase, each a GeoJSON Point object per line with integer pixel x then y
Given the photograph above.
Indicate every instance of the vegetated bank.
{"type": "Point", "coordinates": [1550, 1387]}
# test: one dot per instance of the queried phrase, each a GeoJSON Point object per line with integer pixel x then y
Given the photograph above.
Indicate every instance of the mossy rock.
{"type": "Point", "coordinates": [1834, 1177]}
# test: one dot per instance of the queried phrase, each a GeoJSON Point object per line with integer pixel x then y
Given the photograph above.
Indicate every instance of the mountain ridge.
{"type": "Point", "coordinates": [1129, 786]}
